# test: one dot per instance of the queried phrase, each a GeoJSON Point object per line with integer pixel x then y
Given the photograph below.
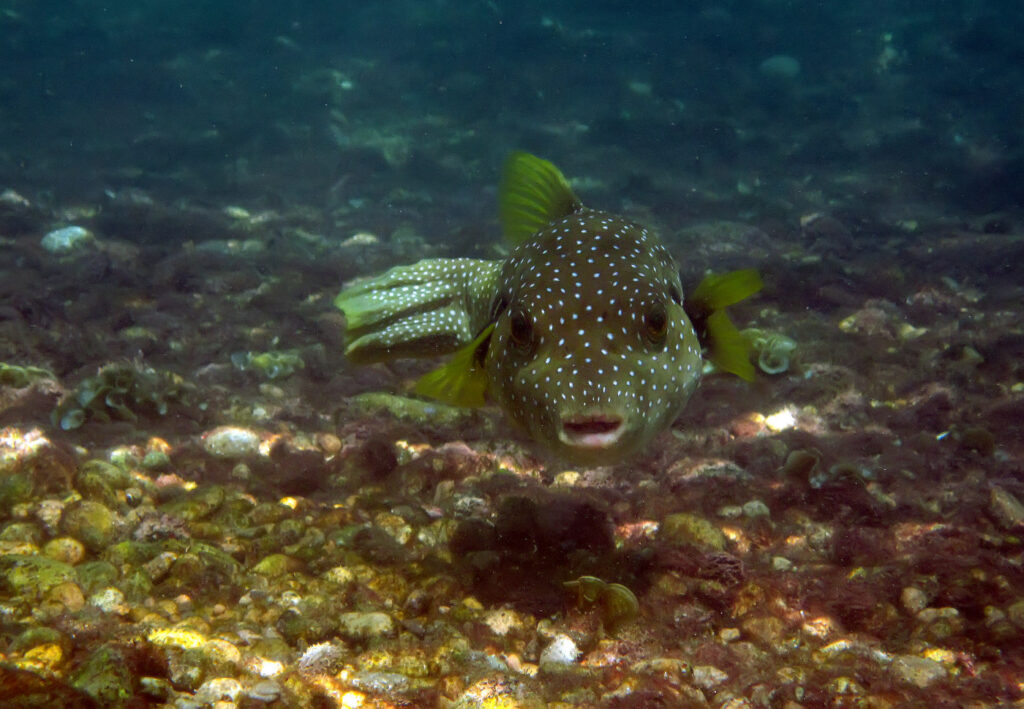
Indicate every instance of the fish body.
{"type": "Point", "coordinates": [581, 335]}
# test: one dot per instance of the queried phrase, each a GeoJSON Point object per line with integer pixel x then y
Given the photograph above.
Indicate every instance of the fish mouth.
{"type": "Point", "coordinates": [592, 430]}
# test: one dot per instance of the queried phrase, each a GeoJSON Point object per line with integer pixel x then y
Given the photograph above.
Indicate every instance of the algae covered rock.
{"type": "Point", "coordinates": [413, 410]}
{"type": "Point", "coordinates": [32, 576]}
{"type": "Point", "coordinates": [121, 392]}
{"type": "Point", "coordinates": [105, 677]}
{"type": "Point", "coordinates": [687, 529]}
{"type": "Point", "coordinates": [365, 626]}
{"type": "Point", "coordinates": [91, 523]}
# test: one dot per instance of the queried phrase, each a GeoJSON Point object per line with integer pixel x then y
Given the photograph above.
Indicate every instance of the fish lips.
{"type": "Point", "coordinates": [592, 431]}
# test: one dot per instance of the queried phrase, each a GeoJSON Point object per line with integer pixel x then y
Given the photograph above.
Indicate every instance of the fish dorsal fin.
{"type": "Point", "coordinates": [532, 194]}
{"type": "Point", "coordinates": [462, 380]}
{"type": "Point", "coordinates": [722, 290]}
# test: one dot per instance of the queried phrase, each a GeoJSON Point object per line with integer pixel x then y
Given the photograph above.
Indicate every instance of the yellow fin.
{"type": "Point", "coordinates": [532, 194]}
{"type": "Point", "coordinates": [728, 349]}
{"type": "Point", "coordinates": [722, 290]}
{"type": "Point", "coordinates": [461, 381]}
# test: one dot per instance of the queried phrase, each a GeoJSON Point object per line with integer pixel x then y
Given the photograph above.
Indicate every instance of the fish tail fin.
{"type": "Point", "coordinates": [532, 194]}
{"type": "Point", "coordinates": [461, 381]}
{"type": "Point", "coordinates": [728, 349]}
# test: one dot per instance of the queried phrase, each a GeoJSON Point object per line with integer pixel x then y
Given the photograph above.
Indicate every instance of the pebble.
{"type": "Point", "coordinates": [92, 523]}
{"type": "Point", "coordinates": [110, 600]}
{"type": "Point", "coordinates": [683, 528]}
{"type": "Point", "coordinates": [69, 595]}
{"type": "Point", "coordinates": [265, 691]}
{"type": "Point", "coordinates": [708, 676]}
{"type": "Point", "coordinates": [231, 442]}
{"type": "Point", "coordinates": [559, 653]}
{"type": "Point", "coordinates": [70, 551]}
{"type": "Point", "coordinates": [503, 621]}
{"type": "Point", "coordinates": [918, 671]}
{"type": "Point", "coordinates": [728, 635]}
{"type": "Point", "coordinates": [756, 508]}
{"type": "Point", "coordinates": [1006, 509]}
{"type": "Point", "coordinates": [767, 630]}
{"type": "Point", "coordinates": [322, 658]}
{"type": "Point", "coordinates": [66, 240]}
{"type": "Point", "coordinates": [913, 599]}
{"type": "Point", "coordinates": [1016, 614]}
{"type": "Point", "coordinates": [218, 689]}
{"type": "Point", "coordinates": [365, 626]}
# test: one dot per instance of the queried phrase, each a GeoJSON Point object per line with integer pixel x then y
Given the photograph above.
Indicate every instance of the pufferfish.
{"type": "Point", "coordinates": [582, 335]}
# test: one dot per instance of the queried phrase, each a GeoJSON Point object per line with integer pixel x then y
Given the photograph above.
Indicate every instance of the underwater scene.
{"type": "Point", "coordinates": [511, 354]}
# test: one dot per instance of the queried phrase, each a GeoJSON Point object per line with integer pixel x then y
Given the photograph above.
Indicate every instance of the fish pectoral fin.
{"type": "Point", "coordinates": [721, 290]}
{"type": "Point", "coordinates": [728, 349]}
{"type": "Point", "coordinates": [461, 381]}
{"type": "Point", "coordinates": [432, 307]}
{"type": "Point", "coordinates": [532, 194]}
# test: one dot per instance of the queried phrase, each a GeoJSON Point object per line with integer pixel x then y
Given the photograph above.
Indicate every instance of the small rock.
{"type": "Point", "coordinates": [781, 563]}
{"type": "Point", "coordinates": [365, 626]}
{"type": "Point", "coordinates": [92, 523]}
{"type": "Point", "coordinates": [104, 676]}
{"type": "Point", "coordinates": [65, 549]}
{"type": "Point", "coordinates": [683, 528]}
{"type": "Point", "coordinates": [756, 508]}
{"type": "Point", "coordinates": [218, 689]}
{"type": "Point", "coordinates": [322, 659]}
{"type": "Point", "coordinates": [728, 635]}
{"type": "Point", "coordinates": [341, 575]}
{"type": "Point", "coordinates": [708, 676]}
{"type": "Point", "coordinates": [913, 599]}
{"type": "Point", "coordinates": [110, 600]}
{"type": "Point", "coordinates": [1016, 614]}
{"type": "Point", "coordinates": [277, 565]}
{"type": "Point", "coordinates": [265, 691]}
{"type": "Point", "coordinates": [68, 595]}
{"type": "Point", "coordinates": [503, 621]}
{"type": "Point", "coordinates": [66, 240]}
{"type": "Point", "coordinates": [767, 630]}
{"type": "Point", "coordinates": [1006, 509]}
{"type": "Point", "coordinates": [231, 442]}
{"type": "Point", "coordinates": [918, 671]}
{"type": "Point", "coordinates": [559, 654]}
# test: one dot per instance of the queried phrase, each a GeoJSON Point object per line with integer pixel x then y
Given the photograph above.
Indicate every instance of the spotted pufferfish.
{"type": "Point", "coordinates": [582, 335]}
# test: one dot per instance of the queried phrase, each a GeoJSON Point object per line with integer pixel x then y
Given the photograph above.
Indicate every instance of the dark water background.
{"type": "Point", "coordinates": [906, 109]}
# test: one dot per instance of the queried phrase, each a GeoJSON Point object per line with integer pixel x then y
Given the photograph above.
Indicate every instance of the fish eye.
{"type": "Point", "coordinates": [655, 322]}
{"type": "Point", "coordinates": [521, 328]}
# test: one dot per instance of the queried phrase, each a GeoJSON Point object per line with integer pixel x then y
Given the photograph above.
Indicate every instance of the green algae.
{"type": "Point", "coordinates": [105, 677]}
{"type": "Point", "coordinates": [617, 603]}
{"type": "Point", "coordinates": [33, 576]}
{"type": "Point", "coordinates": [774, 351]}
{"type": "Point", "coordinates": [19, 377]}
{"type": "Point", "coordinates": [120, 392]}
{"type": "Point", "coordinates": [271, 365]}
{"type": "Point", "coordinates": [687, 529]}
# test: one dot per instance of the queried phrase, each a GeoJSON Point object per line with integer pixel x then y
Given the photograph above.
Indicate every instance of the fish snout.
{"type": "Point", "coordinates": [592, 430]}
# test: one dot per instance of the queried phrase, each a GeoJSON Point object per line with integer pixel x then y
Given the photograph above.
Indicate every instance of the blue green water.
{"type": "Point", "coordinates": [753, 102]}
